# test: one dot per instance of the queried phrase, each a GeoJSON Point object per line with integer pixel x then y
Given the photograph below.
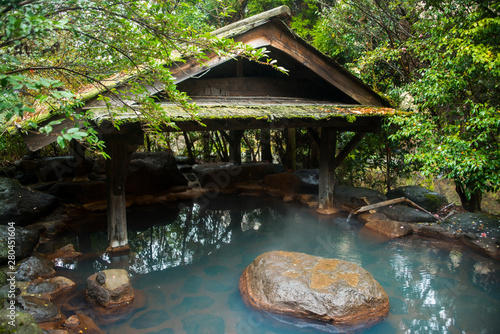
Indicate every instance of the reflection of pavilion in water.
{"type": "Point", "coordinates": [175, 240]}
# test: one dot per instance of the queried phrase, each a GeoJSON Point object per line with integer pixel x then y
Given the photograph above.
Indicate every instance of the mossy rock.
{"type": "Point", "coordinates": [427, 199]}
{"type": "Point", "coordinates": [24, 323]}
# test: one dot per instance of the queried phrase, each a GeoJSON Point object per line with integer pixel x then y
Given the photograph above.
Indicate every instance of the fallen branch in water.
{"type": "Point", "coordinates": [390, 202]}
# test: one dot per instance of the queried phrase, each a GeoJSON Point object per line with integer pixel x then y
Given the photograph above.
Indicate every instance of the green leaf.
{"type": "Point", "coordinates": [61, 142]}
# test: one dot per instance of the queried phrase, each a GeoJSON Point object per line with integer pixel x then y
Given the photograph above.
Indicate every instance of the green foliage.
{"type": "Point", "coordinates": [53, 52]}
{"type": "Point", "coordinates": [442, 57]}
{"type": "Point", "coordinates": [305, 13]}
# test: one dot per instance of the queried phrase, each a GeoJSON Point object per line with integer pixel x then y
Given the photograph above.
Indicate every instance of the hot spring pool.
{"type": "Point", "coordinates": [186, 261]}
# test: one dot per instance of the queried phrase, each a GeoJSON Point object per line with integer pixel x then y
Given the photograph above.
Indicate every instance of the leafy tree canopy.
{"type": "Point", "coordinates": [50, 51]}
{"type": "Point", "coordinates": [441, 59]}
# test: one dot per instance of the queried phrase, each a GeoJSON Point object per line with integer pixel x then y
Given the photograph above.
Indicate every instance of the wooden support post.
{"type": "Point", "coordinates": [314, 134]}
{"type": "Point", "coordinates": [291, 149]}
{"type": "Point", "coordinates": [313, 157]}
{"type": "Point", "coordinates": [265, 144]}
{"type": "Point", "coordinates": [328, 144]}
{"type": "Point", "coordinates": [235, 146]}
{"type": "Point", "coordinates": [348, 148]}
{"type": "Point", "coordinates": [120, 145]}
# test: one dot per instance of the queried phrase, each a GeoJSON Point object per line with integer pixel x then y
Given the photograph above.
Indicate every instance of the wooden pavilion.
{"type": "Point", "coordinates": [236, 94]}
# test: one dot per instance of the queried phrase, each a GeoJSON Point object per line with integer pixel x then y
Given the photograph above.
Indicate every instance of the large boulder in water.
{"type": "Point", "coordinates": [23, 206]}
{"type": "Point", "coordinates": [295, 284]}
{"type": "Point", "coordinates": [429, 200]}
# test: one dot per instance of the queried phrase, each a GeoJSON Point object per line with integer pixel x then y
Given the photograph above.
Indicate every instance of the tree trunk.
{"type": "Point", "coordinates": [265, 143]}
{"type": "Point", "coordinates": [235, 146]}
{"type": "Point", "coordinates": [472, 204]}
{"type": "Point", "coordinates": [189, 146]}
{"type": "Point", "coordinates": [207, 149]}
{"type": "Point", "coordinates": [291, 149]}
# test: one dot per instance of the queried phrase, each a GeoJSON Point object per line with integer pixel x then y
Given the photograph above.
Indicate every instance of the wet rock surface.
{"type": "Point", "coordinates": [26, 240]}
{"type": "Point", "coordinates": [49, 288]}
{"type": "Point", "coordinates": [305, 286]}
{"type": "Point", "coordinates": [476, 225]}
{"type": "Point", "coordinates": [42, 310]}
{"type": "Point", "coordinates": [389, 228]}
{"type": "Point", "coordinates": [110, 288]}
{"type": "Point", "coordinates": [86, 325]}
{"type": "Point", "coordinates": [34, 267]}
{"type": "Point", "coordinates": [21, 205]}
{"type": "Point", "coordinates": [24, 323]}
{"type": "Point", "coordinates": [427, 199]}
{"type": "Point", "coordinates": [64, 254]}
{"type": "Point", "coordinates": [407, 214]}
{"type": "Point", "coordinates": [476, 230]}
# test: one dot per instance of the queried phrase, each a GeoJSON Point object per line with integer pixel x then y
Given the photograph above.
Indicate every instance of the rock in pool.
{"type": "Point", "coordinates": [305, 286]}
{"type": "Point", "coordinates": [110, 288]}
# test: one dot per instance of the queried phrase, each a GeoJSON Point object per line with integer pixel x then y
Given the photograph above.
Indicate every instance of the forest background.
{"type": "Point", "coordinates": [438, 59]}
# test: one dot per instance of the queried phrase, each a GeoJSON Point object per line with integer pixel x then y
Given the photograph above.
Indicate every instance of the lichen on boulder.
{"type": "Point", "coordinates": [305, 286]}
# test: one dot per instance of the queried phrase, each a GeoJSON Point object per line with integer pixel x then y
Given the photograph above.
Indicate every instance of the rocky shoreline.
{"type": "Point", "coordinates": [45, 214]}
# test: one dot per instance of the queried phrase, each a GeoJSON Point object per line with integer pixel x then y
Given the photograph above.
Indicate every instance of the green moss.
{"type": "Point", "coordinates": [24, 323]}
{"type": "Point", "coordinates": [432, 198]}
{"type": "Point", "coordinates": [3, 278]}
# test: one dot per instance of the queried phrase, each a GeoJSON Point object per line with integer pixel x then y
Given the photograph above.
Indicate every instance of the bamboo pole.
{"type": "Point", "coordinates": [390, 202]}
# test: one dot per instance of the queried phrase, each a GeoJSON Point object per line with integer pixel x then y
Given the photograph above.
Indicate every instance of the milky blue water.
{"type": "Point", "coordinates": [185, 263]}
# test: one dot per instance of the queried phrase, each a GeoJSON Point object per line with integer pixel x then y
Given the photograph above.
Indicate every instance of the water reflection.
{"type": "Point", "coordinates": [193, 234]}
{"type": "Point", "coordinates": [188, 264]}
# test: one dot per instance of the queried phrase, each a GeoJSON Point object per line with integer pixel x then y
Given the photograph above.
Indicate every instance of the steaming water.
{"type": "Point", "coordinates": [187, 266]}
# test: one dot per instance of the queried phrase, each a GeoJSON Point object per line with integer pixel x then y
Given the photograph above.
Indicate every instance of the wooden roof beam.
{"type": "Point", "coordinates": [270, 35]}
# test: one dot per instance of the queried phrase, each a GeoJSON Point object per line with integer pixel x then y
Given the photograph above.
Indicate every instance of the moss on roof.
{"type": "Point", "coordinates": [269, 112]}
